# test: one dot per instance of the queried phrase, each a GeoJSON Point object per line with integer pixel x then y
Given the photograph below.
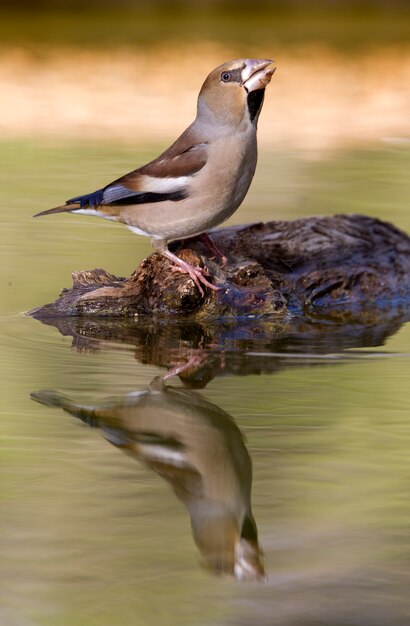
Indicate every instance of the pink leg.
{"type": "Point", "coordinates": [194, 361]}
{"type": "Point", "coordinates": [195, 273]}
{"type": "Point", "coordinates": [214, 248]}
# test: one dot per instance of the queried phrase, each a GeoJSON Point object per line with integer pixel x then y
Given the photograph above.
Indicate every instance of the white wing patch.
{"type": "Point", "coordinates": [163, 185]}
{"type": "Point", "coordinates": [165, 454]}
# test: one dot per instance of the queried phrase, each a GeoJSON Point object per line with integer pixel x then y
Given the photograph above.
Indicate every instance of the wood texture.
{"type": "Point", "coordinates": [345, 268]}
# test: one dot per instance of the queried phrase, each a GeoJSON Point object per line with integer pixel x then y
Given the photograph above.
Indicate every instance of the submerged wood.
{"type": "Point", "coordinates": [345, 268]}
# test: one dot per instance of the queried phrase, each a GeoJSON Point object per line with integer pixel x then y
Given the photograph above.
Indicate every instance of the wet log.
{"type": "Point", "coordinates": [344, 268]}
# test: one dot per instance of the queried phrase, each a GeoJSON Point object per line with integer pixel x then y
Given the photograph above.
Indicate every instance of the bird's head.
{"type": "Point", "coordinates": [233, 93]}
{"type": "Point", "coordinates": [226, 548]}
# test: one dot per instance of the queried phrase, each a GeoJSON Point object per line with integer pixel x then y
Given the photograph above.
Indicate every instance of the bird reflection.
{"type": "Point", "coordinates": [198, 449]}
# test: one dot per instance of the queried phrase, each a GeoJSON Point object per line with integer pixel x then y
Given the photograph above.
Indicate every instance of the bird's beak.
{"type": "Point", "coordinates": [256, 74]}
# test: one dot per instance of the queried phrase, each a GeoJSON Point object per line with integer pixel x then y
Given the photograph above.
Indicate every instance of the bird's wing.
{"type": "Point", "coordinates": [165, 178]}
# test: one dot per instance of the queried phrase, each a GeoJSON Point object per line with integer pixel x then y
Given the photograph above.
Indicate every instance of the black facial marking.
{"type": "Point", "coordinates": [255, 100]}
{"type": "Point", "coordinates": [249, 530]}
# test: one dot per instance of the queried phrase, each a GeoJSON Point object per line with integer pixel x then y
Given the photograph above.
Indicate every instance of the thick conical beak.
{"type": "Point", "coordinates": [256, 74]}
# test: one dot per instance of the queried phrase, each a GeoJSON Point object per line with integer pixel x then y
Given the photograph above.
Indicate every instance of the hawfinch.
{"type": "Point", "coordinates": [202, 178]}
{"type": "Point", "coordinates": [198, 449]}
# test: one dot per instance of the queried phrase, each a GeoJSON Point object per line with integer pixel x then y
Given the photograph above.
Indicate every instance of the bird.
{"type": "Point", "coordinates": [198, 449]}
{"type": "Point", "coordinates": [201, 179]}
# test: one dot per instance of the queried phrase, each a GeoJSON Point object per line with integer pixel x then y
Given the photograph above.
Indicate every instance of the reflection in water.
{"type": "Point", "coordinates": [227, 347]}
{"type": "Point", "coordinates": [197, 448]}
{"type": "Point", "coordinates": [338, 506]}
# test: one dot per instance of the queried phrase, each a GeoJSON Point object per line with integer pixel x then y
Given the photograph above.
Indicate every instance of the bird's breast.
{"type": "Point", "coordinates": [223, 183]}
{"type": "Point", "coordinates": [212, 194]}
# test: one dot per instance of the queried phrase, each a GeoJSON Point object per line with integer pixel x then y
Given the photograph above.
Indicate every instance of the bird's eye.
{"type": "Point", "coordinates": [226, 77]}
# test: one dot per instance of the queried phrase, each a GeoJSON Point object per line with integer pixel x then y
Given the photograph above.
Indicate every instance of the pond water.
{"type": "Point", "coordinates": [177, 473]}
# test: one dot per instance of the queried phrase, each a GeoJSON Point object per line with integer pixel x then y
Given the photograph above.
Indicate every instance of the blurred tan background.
{"type": "Point", "coordinates": [130, 71]}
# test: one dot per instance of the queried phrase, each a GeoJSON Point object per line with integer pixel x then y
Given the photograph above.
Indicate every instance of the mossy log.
{"type": "Point", "coordinates": [345, 268]}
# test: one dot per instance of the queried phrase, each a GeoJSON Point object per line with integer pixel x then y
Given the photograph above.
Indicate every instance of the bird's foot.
{"type": "Point", "coordinates": [197, 275]}
{"type": "Point", "coordinates": [211, 245]}
{"type": "Point", "coordinates": [192, 362]}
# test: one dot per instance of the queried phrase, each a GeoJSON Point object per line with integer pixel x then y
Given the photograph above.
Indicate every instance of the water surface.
{"type": "Point", "coordinates": [301, 437]}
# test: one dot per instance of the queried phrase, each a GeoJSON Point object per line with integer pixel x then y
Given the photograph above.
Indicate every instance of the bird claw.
{"type": "Point", "coordinates": [198, 270]}
{"type": "Point", "coordinates": [197, 275]}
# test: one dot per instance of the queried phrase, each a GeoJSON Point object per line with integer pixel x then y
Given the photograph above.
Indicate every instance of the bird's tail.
{"type": "Point", "coordinates": [51, 397]}
{"type": "Point", "coordinates": [65, 208]}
